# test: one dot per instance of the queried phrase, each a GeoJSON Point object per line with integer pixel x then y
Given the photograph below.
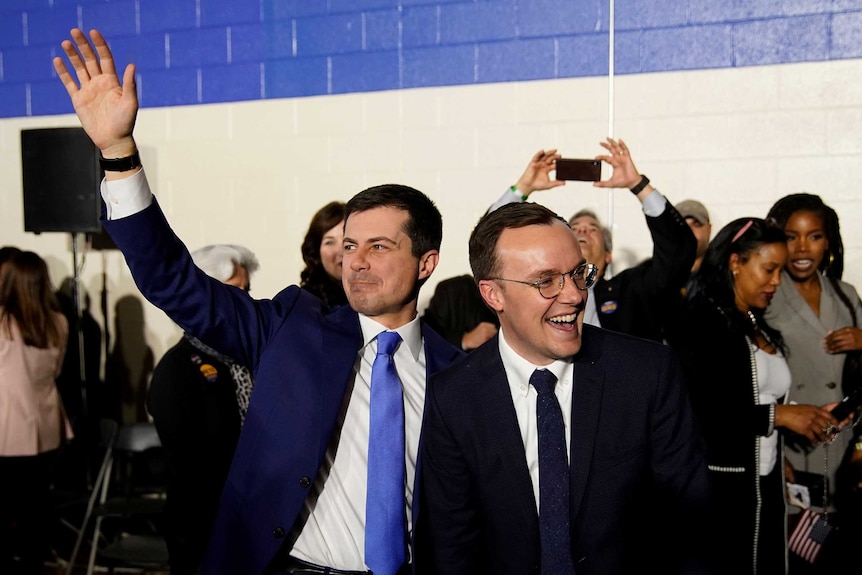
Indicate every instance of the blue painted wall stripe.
{"type": "Point", "coordinates": [190, 52]}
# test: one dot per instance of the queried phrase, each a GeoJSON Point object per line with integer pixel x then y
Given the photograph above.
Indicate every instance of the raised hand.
{"type": "Point", "coordinates": [625, 174]}
{"type": "Point", "coordinates": [536, 174]}
{"type": "Point", "coordinates": [106, 109]}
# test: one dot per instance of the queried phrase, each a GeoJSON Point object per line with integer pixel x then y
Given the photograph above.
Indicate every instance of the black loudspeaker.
{"type": "Point", "coordinates": [60, 168]}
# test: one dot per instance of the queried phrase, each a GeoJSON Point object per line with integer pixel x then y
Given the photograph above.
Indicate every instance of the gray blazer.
{"type": "Point", "coordinates": [816, 375]}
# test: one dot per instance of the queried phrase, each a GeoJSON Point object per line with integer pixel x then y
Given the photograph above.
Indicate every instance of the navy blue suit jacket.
{"type": "Point", "coordinates": [637, 466]}
{"type": "Point", "coordinates": [303, 359]}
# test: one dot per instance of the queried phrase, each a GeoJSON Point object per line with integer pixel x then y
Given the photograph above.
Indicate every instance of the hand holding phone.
{"type": "Point", "coordinates": [848, 405]}
{"type": "Point", "coordinates": [581, 170]}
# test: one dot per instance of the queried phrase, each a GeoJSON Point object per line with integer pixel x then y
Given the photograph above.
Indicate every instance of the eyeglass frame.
{"type": "Point", "coordinates": [590, 271]}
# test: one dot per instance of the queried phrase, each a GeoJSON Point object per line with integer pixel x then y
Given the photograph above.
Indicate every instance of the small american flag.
{"type": "Point", "coordinates": [809, 534]}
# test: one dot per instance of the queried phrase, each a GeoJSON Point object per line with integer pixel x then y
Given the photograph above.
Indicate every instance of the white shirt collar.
{"type": "Point", "coordinates": [520, 370]}
{"type": "Point", "coordinates": [411, 333]}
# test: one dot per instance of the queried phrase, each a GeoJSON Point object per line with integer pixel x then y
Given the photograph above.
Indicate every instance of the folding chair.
{"type": "Point", "coordinates": [127, 505]}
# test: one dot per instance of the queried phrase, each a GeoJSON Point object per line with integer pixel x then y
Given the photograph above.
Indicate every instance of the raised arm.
{"type": "Point", "coordinates": [536, 177]}
{"type": "Point", "coordinates": [106, 109]}
{"type": "Point", "coordinates": [624, 174]}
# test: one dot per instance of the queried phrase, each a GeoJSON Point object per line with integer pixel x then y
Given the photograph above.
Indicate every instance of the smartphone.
{"type": "Point", "coordinates": [583, 170]}
{"type": "Point", "coordinates": [848, 405]}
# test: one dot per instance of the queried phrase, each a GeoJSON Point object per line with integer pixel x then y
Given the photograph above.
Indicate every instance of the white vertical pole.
{"type": "Point", "coordinates": [610, 217]}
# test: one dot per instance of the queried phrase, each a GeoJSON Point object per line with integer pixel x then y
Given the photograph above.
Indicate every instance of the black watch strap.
{"type": "Point", "coordinates": [120, 164]}
{"type": "Point", "coordinates": [640, 185]}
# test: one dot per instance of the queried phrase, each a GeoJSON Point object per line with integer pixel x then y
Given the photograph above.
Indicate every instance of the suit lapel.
{"type": "Point", "coordinates": [438, 354]}
{"type": "Point", "coordinates": [340, 333]}
{"type": "Point", "coordinates": [502, 431]}
{"type": "Point", "coordinates": [586, 403]}
{"type": "Point", "coordinates": [831, 307]}
{"type": "Point", "coordinates": [800, 307]}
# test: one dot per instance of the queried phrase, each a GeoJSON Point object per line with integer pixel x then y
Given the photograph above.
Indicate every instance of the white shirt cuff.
{"type": "Point", "coordinates": [126, 197]}
{"type": "Point", "coordinates": [654, 204]}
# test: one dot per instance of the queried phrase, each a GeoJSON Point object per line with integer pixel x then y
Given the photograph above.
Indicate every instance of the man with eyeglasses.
{"type": "Point", "coordinates": [636, 300]}
{"type": "Point", "coordinates": [545, 448]}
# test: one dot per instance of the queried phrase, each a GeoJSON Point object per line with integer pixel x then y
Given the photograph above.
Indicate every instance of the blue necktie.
{"type": "Point", "coordinates": [385, 528]}
{"type": "Point", "coordinates": [553, 478]}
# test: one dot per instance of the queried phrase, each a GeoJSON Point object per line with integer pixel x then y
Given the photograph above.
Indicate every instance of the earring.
{"type": "Point", "coordinates": [831, 260]}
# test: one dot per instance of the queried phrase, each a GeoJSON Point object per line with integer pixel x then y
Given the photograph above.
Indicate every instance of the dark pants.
{"type": "Point", "coordinates": [25, 505]}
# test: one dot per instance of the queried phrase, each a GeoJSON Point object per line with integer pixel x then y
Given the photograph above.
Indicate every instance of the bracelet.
{"type": "Point", "coordinates": [120, 164]}
{"type": "Point", "coordinates": [514, 190]}
{"type": "Point", "coordinates": [640, 185]}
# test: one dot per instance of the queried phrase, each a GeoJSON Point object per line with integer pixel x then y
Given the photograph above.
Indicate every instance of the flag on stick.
{"type": "Point", "coordinates": [809, 534]}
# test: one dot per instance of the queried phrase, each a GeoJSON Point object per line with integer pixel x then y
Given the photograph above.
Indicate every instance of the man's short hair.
{"type": "Point", "coordinates": [483, 240]}
{"type": "Point", "coordinates": [219, 260]}
{"type": "Point", "coordinates": [424, 225]}
{"type": "Point", "coordinates": [606, 231]}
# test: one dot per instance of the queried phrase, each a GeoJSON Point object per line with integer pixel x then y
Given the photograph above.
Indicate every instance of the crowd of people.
{"type": "Point", "coordinates": [541, 416]}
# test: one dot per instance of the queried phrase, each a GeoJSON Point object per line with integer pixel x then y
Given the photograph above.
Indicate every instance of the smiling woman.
{"type": "Point", "coordinates": [818, 314]}
{"type": "Point", "coordinates": [321, 252]}
{"type": "Point", "coordinates": [734, 364]}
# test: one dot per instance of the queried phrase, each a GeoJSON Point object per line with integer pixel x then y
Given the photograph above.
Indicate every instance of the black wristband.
{"type": "Point", "coordinates": [120, 164]}
{"type": "Point", "coordinates": [640, 185]}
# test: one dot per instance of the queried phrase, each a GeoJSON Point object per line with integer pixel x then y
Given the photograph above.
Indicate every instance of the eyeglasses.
{"type": "Point", "coordinates": [551, 286]}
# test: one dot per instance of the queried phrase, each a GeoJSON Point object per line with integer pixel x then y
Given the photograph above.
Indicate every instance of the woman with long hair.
{"type": "Point", "coordinates": [820, 317]}
{"type": "Point", "coordinates": [33, 424]}
{"type": "Point", "coordinates": [322, 252]}
{"type": "Point", "coordinates": [735, 367]}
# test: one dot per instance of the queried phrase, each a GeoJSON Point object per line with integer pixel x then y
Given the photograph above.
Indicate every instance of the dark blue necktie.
{"type": "Point", "coordinates": [553, 478]}
{"type": "Point", "coordinates": [385, 528]}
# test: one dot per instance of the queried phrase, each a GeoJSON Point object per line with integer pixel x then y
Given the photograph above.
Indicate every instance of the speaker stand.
{"type": "Point", "coordinates": [76, 298]}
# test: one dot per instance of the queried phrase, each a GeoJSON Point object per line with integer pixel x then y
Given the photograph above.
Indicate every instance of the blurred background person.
{"type": "Point", "coordinates": [322, 252]}
{"type": "Point", "coordinates": [697, 218]}
{"type": "Point", "coordinates": [818, 315]}
{"type": "Point", "coordinates": [33, 423]}
{"type": "Point", "coordinates": [458, 313]}
{"type": "Point", "coordinates": [6, 253]}
{"type": "Point", "coordinates": [198, 399]}
{"type": "Point", "coordinates": [734, 363]}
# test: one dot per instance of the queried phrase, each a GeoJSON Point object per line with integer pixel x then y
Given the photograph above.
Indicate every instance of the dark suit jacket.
{"type": "Point", "coordinates": [635, 301]}
{"type": "Point", "coordinates": [634, 444]}
{"type": "Point", "coordinates": [192, 399]}
{"type": "Point", "coordinates": [302, 358]}
{"type": "Point", "coordinates": [456, 307]}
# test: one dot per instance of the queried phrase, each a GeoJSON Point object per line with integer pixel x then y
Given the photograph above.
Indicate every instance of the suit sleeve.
{"type": "Point", "coordinates": [224, 317]}
{"type": "Point", "coordinates": [449, 529]}
{"type": "Point", "coordinates": [674, 251]}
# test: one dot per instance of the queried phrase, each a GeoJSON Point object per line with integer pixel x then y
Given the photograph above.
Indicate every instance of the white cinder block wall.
{"type": "Point", "coordinates": [254, 172]}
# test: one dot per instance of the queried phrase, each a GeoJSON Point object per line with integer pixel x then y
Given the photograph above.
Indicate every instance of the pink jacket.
{"type": "Point", "coordinates": [32, 418]}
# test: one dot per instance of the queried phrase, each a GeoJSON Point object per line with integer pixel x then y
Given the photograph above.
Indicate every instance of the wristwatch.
{"type": "Point", "coordinates": [120, 164]}
{"type": "Point", "coordinates": [640, 185]}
